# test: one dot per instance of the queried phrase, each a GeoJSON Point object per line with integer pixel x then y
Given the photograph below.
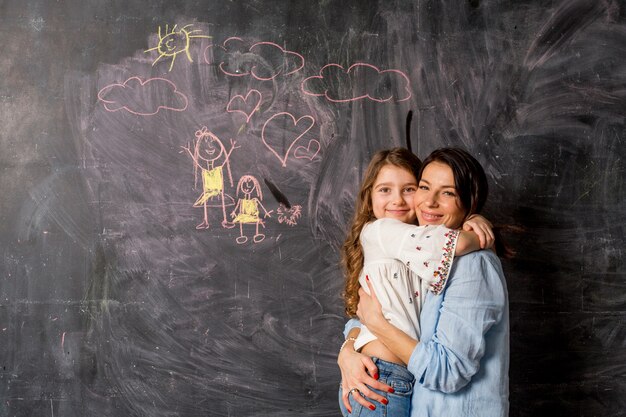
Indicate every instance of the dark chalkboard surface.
{"type": "Point", "coordinates": [140, 139]}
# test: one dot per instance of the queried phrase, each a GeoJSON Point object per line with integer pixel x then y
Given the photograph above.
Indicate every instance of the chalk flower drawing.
{"type": "Point", "coordinates": [175, 42]}
{"type": "Point", "coordinates": [206, 154]}
{"type": "Point", "coordinates": [360, 81]}
{"type": "Point", "coordinates": [143, 98]}
{"type": "Point", "coordinates": [247, 209]}
{"type": "Point", "coordinates": [276, 126]}
{"type": "Point", "coordinates": [289, 215]}
{"type": "Point", "coordinates": [263, 60]}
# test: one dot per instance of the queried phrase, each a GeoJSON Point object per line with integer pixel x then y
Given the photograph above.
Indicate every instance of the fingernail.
{"type": "Point", "coordinates": [367, 278]}
{"type": "Point", "coordinates": [349, 411]}
{"type": "Point", "coordinates": [375, 376]}
{"type": "Point", "coordinates": [391, 390]}
{"type": "Point", "coordinates": [372, 408]}
{"type": "Point", "coordinates": [384, 401]}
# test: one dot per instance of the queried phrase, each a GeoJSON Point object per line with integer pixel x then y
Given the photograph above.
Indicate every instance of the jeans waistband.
{"type": "Point", "coordinates": [386, 367]}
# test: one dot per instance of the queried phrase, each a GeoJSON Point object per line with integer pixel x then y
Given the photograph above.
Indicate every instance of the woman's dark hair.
{"type": "Point", "coordinates": [471, 186]}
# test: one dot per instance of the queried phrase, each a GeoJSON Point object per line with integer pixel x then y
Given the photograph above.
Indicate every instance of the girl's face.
{"type": "Point", "coordinates": [436, 200]}
{"type": "Point", "coordinates": [392, 194]}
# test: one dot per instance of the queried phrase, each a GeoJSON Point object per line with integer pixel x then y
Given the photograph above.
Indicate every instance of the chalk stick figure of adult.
{"type": "Point", "coordinates": [247, 209]}
{"type": "Point", "coordinates": [208, 151]}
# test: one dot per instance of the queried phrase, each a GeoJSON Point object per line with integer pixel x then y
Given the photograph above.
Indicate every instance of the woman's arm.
{"type": "Point", "coordinates": [358, 371]}
{"type": "Point", "coordinates": [370, 313]}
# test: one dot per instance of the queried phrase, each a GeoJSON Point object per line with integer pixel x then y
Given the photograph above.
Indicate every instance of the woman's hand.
{"type": "Point", "coordinates": [483, 228]}
{"type": "Point", "coordinates": [359, 371]}
{"type": "Point", "coordinates": [369, 310]}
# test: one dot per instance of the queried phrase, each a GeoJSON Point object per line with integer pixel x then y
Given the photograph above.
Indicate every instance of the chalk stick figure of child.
{"type": "Point", "coordinates": [247, 209]}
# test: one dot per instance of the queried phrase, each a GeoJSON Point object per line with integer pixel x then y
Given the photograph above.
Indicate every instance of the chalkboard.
{"type": "Point", "coordinates": [177, 178]}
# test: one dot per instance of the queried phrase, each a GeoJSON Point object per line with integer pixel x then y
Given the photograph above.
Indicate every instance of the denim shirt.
{"type": "Point", "coordinates": [461, 364]}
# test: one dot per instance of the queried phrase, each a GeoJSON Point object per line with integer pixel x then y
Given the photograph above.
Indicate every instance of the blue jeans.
{"type": "Point", "coordinates": [394, 375]}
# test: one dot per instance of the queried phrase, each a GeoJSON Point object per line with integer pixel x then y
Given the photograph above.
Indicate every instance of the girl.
{"type": "Point", "coordinates": [420, 260]}
{"type": "Point", "coordinates": [247, 209]}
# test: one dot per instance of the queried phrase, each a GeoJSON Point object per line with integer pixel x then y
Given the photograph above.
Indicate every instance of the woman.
{"type": "Point", "coordinates": [461, 361]}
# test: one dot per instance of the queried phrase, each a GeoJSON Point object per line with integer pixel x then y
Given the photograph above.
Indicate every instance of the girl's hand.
{"type": "Point", "coordinates": [359, 371]}
{"type": "Point", "coordinates": [483, 228]}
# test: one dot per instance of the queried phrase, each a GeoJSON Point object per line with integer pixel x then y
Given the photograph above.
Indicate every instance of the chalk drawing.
{"type": "Point", "coordinates": [175, 42]}
{"type": "Point", "coordinates": [247, 209]}
{"type": "Point", "coordinates": [263, 61]}
{"type": "Point", "coordinates": [360, 81]}
{"type": "Point", "coordinates": [143, 98]}
{"type": "Point", "coordinates": [246, 105]}
{"type": "Point", "coordinates": [301, 125]}
{"type": "Point", "coordinates": [207, 151]}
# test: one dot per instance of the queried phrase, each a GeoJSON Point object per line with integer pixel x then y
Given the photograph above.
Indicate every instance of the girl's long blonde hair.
{"type": "Point", "coordinates": [351, 251]}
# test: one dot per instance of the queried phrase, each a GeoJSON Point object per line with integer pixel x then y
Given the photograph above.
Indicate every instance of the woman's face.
{"type": "Point", "coordinates": [392, 194]}
{"type": "Point", "coordinates": [436, 200]}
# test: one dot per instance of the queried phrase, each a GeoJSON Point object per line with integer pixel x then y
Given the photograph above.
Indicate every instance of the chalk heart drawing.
{"type": "Point", "coordinates": [309, 152]}
{"type": "Point", "coordinates": [246, 105]}
{"type": "Point", "coordinates": [301, 127]}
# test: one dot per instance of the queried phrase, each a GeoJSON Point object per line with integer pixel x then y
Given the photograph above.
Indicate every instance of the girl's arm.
{"type": "Point", "coordinates": [466, 243]}
{"type": "Point", "coordinates": [483, 228]}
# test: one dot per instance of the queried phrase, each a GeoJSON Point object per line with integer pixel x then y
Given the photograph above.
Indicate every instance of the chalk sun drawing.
{"type": "Point", "coordinates": [263, 61]}
{"type": "Point", "coordinates": [207, 151]}
{"type": "Point", "coordinates": [175, 42]}
{"type": "Point", "coordinates": [302, 126]}
{"type": "Point", "coordinates": [247, 209]}
{"type": "Point", "coordinates": [246, 105]}
{"type": "Point", "coordinates": [333, 78]}
{"type": "Point", "coordinates": [137, 96]}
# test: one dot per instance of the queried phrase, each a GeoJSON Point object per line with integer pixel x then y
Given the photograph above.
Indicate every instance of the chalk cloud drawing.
{"type": "Point", "coordinates": [247, 209]}
{"type": "Point", "coordinates": [207, 152]}
{"type": "Point", "coordinates": [247, 105]}
{"type": "Point", "coordinates": [138, 97]}
{"type": "Point", "coordinates": [360, 81]}
{"type": "Point", "coordinates": [291, 130]}
{"type": "Point", "coordinates": [175, 42]}
{"type": "Point", "coordinates": [263, 61]}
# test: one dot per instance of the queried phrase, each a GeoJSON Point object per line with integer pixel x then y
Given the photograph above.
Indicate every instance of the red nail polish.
{"type": "Point", "coordinates": [372, 408]}
{"type": "Point", "coordinates": [391, 390]}
{"type": "Point", "coordinates": [384, 401]}
{"type": "Point", "coordinates": [375, 376]}
{"type": "Point", "coordinates": [349, 411]}
{"type": "Point", "coordinates": [367, 278]}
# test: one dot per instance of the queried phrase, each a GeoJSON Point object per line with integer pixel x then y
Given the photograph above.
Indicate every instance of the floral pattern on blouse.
{"type": "Point", "coordinates": [442, 271]}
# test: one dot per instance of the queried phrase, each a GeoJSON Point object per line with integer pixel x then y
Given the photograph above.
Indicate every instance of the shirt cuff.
{"type": "Point", "coordinates": [418, 361]}
{"type": "Point", "coordinates": [351, 324]}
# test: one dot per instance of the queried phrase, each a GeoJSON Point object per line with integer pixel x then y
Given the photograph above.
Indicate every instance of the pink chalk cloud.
{"type": "Point", "coordinates": [360, 81]}
{"type": "Point", "coordinates": [263, 60]}
{"type": "Point", "coordinates": [143, 98]}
